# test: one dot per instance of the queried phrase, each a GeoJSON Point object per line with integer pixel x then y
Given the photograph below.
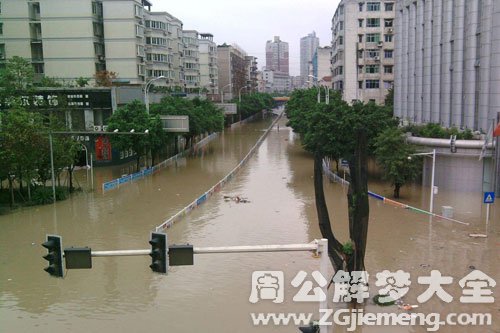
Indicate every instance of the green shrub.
{"type": "Point", "coordinates": [43, 195]}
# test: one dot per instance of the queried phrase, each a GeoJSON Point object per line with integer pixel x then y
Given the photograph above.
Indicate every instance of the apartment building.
{"type": "Point", "coordinates": [163, 44]}
{"type": "Point", "coordinates": [252, 74]}
{"type": "Point", "coordinates": [66, 40]}
{"type": "Point", "coordinates": [308, 46]}
{"type": "Point", "coordinates": [209, 76]}
{"type": "Point", "coordinates": [447, 67]}
{"type": "Point", "coordinates": [191, 57]}
{"type": "Point", "coordinates": [231, 65]}
{"type": "Point", "coordinates": [321, 64]}
{"type": "Point", "coordinates": [363, 49]}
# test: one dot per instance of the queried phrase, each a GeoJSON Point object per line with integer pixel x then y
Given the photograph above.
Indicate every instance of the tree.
{"type": "Point", "coordinates": [105, 78]}
{"type": "Point", "coordinates": [16, 81]}
{"type": "Point", "coordinates": [393, 155]}
{"type": "Point", "coordinates": [133, 116]}
{"type": "Point", "coordinates": [204, 116]}
{"type": "Point", "coordinates": [340, 130]}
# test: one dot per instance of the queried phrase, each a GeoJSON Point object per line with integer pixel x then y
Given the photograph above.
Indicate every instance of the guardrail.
{"type": "Point", "coordinates": [217, 187]}
{"type": "Point", "coordinates": [116, 183]}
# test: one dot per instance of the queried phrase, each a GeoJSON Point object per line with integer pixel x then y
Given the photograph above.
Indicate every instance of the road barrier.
{"type": "Point", "coordinates": [116, 183]}
{"type": "Point", "coordinates": [335, 178]}
{"type": "Point", "coordinates": [217, 187]}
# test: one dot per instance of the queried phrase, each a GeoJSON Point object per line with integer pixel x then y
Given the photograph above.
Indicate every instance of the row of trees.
{"type": "Point", "coordinates": [253, 103]}
{"type": "Point", "coordinates": [352, 132]}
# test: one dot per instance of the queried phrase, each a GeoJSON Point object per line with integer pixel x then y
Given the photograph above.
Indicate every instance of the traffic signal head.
{"type": "Point", "coordinates": [159, 262]}
{"type": "Point", "coordinates": [54, 255]}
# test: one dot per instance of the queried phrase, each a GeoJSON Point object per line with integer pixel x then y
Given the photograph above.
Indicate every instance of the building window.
{"type": "Point", "coordinates": [341, 40]}
{"type": "Point", "coordinates": [360, 38]}
{"type": "Point", "coordinates": [373, 6]}
{"type": "Point", "coordinates": [388, 69]}
{"type": "Point", "coordinates": [388, 38]}
{"type": "Point", "coordinates": [388, 54]}
{"type": "Point", "coordinates": [341, 25]}
{"type": "Point", "coordinates": [139, 31]}
{"type": "Point", "coordinates": [360, 69]}
{"type": "Point", "coordinates": [2, 51]}
{"type": "Point", "coordinates": [372, 22]}
{"type": "Point", "coordinates": [360, 23]}
{"type": "Point", "coordinates": [1, 28]}
{"type": "Point", "coordinates": [360, 84]}
{"type": "Point", "coordinates": [372, 53]}
{"type": "Point", "coordinates": [361, 6]}
{"type": "Point", "coordinates": [371, 69]}
{"type": "Point", "coordinates": [372, 84]}
{"type": "Point", "coordinates": [341, 10]}
{"type": "Point", "coordinates": [389, 6]}
{"type": "Point", "coordinates": [360, 54]}
{"type": "Point", "coordinates": [140, 50]}
{"type": "Point", "coordinates": [156, 41]}
{"type": "Point", "coordinates": [138, 11]}
{"type": "Point", "coordinates": [372, 38]}
{"type": "Point", "coordinates": [388, 23]}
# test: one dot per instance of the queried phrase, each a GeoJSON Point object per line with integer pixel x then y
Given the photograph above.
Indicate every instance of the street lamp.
{"type": "Point", "coordinates": [146, 88]}
{"type": "Point", "coordinates": [433, 155]}
{"type": "Point", "coordinates": [222, 92]}
{"type": "Point", "coordinates": [327, 90]}
{"type": "Point", "coordinates": [239, 92]}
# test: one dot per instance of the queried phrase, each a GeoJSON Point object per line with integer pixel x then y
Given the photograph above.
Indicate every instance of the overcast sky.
{"type": "Point", "coordinates": [251, 23]}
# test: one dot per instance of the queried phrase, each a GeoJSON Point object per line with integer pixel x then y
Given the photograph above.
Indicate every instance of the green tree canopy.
{"type": "Point", "coordinates": [393, 154]}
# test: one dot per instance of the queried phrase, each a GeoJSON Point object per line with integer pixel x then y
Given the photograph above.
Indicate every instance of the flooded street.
{"type": "Point", "coordinates": [121, 294]}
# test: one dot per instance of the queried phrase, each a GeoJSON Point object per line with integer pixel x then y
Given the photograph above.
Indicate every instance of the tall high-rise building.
{"type": "Point", "coordinates": [447, 68]}
{"type": "Point", "coordinates": [277, 56]}
{"type": "Point", "coordinates": [363, 49]}
{"type": "Point", "coordinates": [308, 46]}
{"type": "Point", "coordinates": [232, 67]}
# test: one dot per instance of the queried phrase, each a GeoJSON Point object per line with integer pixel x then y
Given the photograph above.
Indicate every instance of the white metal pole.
{"type": "Point", "coordinates": [487, 213]}
{"type": "Point", "coordinates": [52, 168]}
{"type": "Point", "coordinates": [431, 205]}
{"type": "Point", "coordinates": [324, 263]}
{"type": "Point", "coordinates": [91, 172]}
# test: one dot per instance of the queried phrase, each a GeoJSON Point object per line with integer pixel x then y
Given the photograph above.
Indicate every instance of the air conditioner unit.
{"type": "Point", "coordinates": [390, 30]}
{"type": "Point", "coordinates": [97, 128]}
{"type": "Point", "coordinates": [2, 57]}
{"type": "Point", "coordinates": [101, 58]}
{"type": "Point", "coordinates": [380, 44]}
{"type": "Point", "coordinates": [376, 58]}
{"type": "Point", "coordinates": [105, 128]}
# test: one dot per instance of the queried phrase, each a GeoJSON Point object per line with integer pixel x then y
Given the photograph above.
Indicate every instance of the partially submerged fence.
{"type": "Point", "coordinates": [116, 183]}
{"type": "Point", "coordinates": [217, 187]}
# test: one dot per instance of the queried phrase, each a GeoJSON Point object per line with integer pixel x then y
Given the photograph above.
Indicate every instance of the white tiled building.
{"type": "Point", "coordinates": [66, 40]}
{"type": "Point", "coordinates": [363, 49]}
{"type": "Point", "coordinates": [448, 62]}
{"type": "Point", "coordinates": [209, 76]}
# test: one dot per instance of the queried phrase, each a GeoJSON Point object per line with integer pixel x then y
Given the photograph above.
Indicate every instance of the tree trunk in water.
{"type": "Point", "coordinates": [138, 164]}
{"type": "Point", "coordinates": [358, 203]}
{"type": "Point", "coordinates": [334, 246]}
{"type": "Point", "coordinates": [11, 187]}
{"type": "Point", "coordinates": [397, 187]}
{"type": "Point", "coordinates": [70, 173]}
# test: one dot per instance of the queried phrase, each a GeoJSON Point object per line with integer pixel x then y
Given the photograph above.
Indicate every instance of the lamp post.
{"type": "Point", "coordinates": [239, 93]}
{"type": "Point", "coordinates": [327, 90]}
{"type": "Point", "coordinates": [146, 88]}
{"type": "Point", "coordinates": [222, 92]}
{"type": "Point", "coordinates": [433, 155]}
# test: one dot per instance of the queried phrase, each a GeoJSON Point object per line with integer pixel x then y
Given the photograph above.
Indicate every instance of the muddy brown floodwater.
{"type": "Point", "coordinates": [121, 294]}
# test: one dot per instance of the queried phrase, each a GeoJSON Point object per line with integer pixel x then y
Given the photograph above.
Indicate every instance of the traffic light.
{"type": "Point", "coordinates": [158, 253]}
{"type": "Point", "coordinates": [54, 255]}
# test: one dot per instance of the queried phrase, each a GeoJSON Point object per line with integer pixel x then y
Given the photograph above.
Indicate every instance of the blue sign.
{"type": "Point", "coordinates": [489, 197]}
